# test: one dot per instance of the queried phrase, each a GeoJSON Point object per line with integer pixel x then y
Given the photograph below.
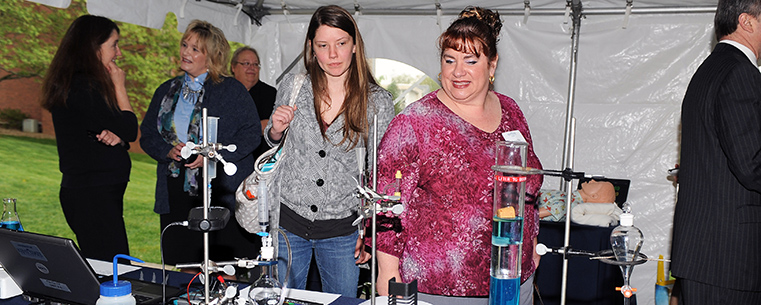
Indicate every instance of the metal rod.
{"type": "Point", "coordinates": [567, 233]}
{"type": "Point", "coordinates": [517, 11]}
{"type": "Point", "coordinates": [571, 87]}
{"type": "Point", "coordinates": [375, 153]}
{"type": "Point", "coordinates": [290, 67]}
{"type": "Point", "coordinates": [206, 197]}
{"type": "Point", "coordinates": [651, 10]}
{"type": "Point", "coordinates": [373, 272]}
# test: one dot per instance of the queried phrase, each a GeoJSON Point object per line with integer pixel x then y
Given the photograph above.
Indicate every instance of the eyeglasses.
{"type": "Point", "coordinates": [249, 64]}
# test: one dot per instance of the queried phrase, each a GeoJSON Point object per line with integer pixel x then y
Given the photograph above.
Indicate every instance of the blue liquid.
{"type": "Point", "coordinates": [13, 225]}
{"type": "Point", "coordinates": [504, 291]}
{"type": "Point", "coordinates": [506, 239]}
{"type": "Point", "coordinates": [505, 232]}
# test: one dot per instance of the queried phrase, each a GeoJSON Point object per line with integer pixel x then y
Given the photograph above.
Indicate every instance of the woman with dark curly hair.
{"type": "Point", "coordinates": [444, 146]}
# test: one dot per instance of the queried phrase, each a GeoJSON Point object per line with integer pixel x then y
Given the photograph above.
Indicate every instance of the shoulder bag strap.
{"type": "Point", "coordinates": [298, 81]}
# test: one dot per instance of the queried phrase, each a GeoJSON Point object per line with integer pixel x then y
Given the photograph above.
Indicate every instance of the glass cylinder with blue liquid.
{"type": "Point", "coordinates": [507, 225]}
{"type": "Point", "coordinates": [10, 219]}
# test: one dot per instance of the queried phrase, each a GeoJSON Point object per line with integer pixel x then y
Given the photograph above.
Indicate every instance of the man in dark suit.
{"type": "Point", "coordinates": [716, 246]}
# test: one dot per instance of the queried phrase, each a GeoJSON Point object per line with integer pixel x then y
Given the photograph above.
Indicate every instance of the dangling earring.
{"type": "Point", "coordinates": [491, 80]}
{"type": "Point", "coordinates": [439, 76]}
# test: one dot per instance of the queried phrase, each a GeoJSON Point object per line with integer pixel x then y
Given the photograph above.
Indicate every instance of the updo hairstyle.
{"type": "Point", "coordinates": [476, 30]}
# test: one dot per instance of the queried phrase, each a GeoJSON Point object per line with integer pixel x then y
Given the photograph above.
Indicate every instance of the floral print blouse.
{"type": "Point", "coordinates": [444, 236]}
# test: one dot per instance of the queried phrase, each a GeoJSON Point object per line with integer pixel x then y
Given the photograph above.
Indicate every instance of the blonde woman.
{"type": "Point", "coordinates": [174, 118]}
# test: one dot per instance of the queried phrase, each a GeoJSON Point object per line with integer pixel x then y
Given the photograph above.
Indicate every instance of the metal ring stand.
{"type": "Point", "coordinates": [604, 255]}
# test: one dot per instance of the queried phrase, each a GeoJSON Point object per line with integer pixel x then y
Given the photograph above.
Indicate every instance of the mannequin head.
{"type": "Point", "coordinates": [597, 192]}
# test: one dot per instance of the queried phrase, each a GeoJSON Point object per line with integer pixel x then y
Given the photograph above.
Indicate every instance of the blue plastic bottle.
{"type": "Point", "coordinates": [117, 292]}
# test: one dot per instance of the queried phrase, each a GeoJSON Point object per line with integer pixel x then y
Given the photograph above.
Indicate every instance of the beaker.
{"type": "Point", "coordinates": [213, 126]}
{"type": "Point", "coordinates": [507, 224]}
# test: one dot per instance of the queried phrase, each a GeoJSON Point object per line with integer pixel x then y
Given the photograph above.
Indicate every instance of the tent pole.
{"type": "Point", "coordinates": [290, 67]}
{"type": "Point", "coordinates": [567, 146]}
{"type": "Point", "coordinates": [568, 150]}
{"type": "Point", "coordinates": [567, 231]}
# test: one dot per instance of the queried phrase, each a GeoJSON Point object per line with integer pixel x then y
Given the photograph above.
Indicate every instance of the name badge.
{"type": "Point", "coordinates": [513, 136]}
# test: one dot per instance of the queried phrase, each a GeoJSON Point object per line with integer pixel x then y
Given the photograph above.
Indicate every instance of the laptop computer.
{"type": "Point", "coordinates": [52, 268]}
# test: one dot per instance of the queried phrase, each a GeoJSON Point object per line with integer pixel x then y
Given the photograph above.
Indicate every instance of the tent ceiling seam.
{"type": "Point", "coordinates": [257, 11]}
{"type": "Point", "coordinates": [521, 12]}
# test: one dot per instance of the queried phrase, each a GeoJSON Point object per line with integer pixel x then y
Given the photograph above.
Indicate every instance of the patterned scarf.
{"type": "Point", "coordinates": [167, 129]}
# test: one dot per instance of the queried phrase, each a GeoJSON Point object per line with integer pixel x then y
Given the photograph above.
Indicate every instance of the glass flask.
{"type": "Point", "coordinates": [626, 242]}
{"type": "Point", "coordinates": [266, 290]}
{"type": "Point", "coordinates": [10, 219]}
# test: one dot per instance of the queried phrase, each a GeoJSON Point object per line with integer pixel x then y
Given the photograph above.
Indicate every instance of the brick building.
{"type": "Point", "coordinates": [24, 94]}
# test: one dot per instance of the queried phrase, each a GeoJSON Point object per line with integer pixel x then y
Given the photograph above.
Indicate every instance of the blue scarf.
{"type": "Point", "coordinates": [167, 129]}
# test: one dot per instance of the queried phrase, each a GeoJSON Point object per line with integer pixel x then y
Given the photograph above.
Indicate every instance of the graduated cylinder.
{"type": "Point", "coordinates": [507, 225]}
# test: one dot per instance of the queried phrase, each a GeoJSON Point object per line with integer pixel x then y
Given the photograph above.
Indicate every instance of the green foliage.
{"type": "Point", "coordinates": [406, 79]}
{"type": "Point", "coordinates": [31, 175]}
{"type": "Point", "coordinates": [12, 118]}
{"type": "Point", "coordinates": [30, 34]}
{"type": "Point", "coordinates": [150, 57]}
{"type": "Point", "coordinates": [403, 79]}
{"type": "Point", "coordinates": [393, 88]}
{"type": "Point", "coordinates": [431, 84]}
{"type": "Point", "coordinates": [234, 45]}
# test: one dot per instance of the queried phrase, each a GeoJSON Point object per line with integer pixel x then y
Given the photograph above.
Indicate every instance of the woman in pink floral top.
{"type": "Point", "coordinates": [444, 146]}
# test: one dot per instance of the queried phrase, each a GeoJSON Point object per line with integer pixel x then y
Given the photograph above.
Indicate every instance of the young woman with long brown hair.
{"type": "Point", "coordinates": [330, 120]}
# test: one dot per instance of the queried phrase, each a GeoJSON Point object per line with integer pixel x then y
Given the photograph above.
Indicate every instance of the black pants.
{"type": "Point", "coordinates": [95, 214]}
{"type": "Point", "coordinates": [696, 293]}
{"type": "Point", "coordinates": [182, 245]}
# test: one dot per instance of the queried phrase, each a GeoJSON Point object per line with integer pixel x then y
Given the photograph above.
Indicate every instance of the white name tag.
{"type": "Point", "coordinates": [513, 136]}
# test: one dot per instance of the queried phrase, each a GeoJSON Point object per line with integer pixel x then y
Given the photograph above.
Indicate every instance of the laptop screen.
{"type": "Point", "coordinates": [48, 267]}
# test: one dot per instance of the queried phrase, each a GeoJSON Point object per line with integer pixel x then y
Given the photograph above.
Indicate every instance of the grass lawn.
{"type": "Point", "coordinates": [29, 172]}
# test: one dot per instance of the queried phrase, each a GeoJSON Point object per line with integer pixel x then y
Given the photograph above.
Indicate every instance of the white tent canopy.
{"type": "Point", "coordinates": [632, 71]}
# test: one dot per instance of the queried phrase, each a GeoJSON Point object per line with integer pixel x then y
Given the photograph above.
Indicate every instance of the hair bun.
{"type": "Point", "coordinates": [486, 16]}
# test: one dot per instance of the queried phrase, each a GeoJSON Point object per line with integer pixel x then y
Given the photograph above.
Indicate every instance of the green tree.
{"type": "Point", "coordinates": [150, 57]}
{"type": "Point", "coordinates": [393, 88]}
{"type": "Point", "coordinates": [406, 79]}
{"type": "Point", "coordinates": [432, 84]}
{"type": "Point", "coordinates": [30, 34]}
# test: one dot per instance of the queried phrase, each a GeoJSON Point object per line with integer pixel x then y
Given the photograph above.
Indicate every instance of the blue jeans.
{"type": "Point", "coordinates": [335, 261]}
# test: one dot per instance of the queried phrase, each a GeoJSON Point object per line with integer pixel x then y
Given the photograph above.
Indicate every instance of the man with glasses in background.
{"type": "Point", "coordinates": [245, 67]}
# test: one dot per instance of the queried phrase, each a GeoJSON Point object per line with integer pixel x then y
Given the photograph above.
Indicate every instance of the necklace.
{"type": "Point", "coordinates": [187, 91]}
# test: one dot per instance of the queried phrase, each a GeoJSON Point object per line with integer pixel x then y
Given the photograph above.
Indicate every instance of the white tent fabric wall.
{"type": "Point", "coordinates": [409, 40]}
{"type": "Point", "coordinates": [629, 91]}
